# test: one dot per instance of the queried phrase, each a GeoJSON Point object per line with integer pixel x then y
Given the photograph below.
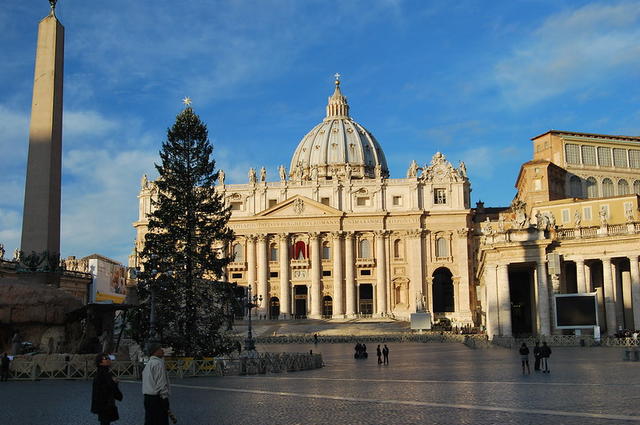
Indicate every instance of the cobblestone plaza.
{"type": "Point", "coordinates": [434, 383]}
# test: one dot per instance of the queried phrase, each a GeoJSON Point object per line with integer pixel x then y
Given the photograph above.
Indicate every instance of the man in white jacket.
{"type": "Point", "coordinates": [155, 387]}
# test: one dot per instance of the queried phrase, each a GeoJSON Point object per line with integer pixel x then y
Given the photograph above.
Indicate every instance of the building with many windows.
{"type": "Point", "coordinates": [573, 227]}
{"type": "Point", "coordinates": [333, 236]}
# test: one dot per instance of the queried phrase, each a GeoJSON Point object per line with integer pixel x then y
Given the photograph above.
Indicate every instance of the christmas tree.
{"type": "Point", "coordinates": [180, 261]}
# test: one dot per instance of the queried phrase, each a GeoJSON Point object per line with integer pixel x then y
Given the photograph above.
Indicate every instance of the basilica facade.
{"type": "Point", "coordinates": [335, 237]}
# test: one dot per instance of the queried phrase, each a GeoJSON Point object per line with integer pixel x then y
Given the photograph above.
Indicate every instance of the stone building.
{"type": "Point", "coordinates": [336, 237]}
{"type": "Point", "coordinates": [573, 227]}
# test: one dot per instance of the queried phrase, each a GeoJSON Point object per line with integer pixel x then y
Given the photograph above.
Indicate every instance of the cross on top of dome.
{"type": "Point", "coordinates": [337, 106]}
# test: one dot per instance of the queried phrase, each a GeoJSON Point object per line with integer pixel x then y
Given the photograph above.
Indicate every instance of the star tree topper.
{"type": "Point", "coordinates": [187, 101]}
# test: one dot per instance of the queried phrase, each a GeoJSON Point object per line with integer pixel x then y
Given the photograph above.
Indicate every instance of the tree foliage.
{"type": "Point", "coordinates": [180, 264]}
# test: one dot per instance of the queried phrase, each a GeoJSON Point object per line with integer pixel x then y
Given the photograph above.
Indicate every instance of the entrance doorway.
{"type": "Point", "coordinates": [327, 307]}
{"type": "Point", "coordinates": [365, 299]}
{"type": "Point", "coordinates": [274, 308]}
{"type": "Point", "coordinates": [520, 290]}
{"type": "Point", "coordinates": [300, 298]}
{"type": "Point", "coordinates": [443, 291]}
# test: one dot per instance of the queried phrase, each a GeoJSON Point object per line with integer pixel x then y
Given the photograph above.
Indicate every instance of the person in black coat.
{"type": "Point", "coordinates": [536, 356]}
{"type": "Point", "coordinates": [524, 357]}
{"type": "Point", "coordinates": [105, 392]}
{"type": "Point", "coordinates": [545, 352]}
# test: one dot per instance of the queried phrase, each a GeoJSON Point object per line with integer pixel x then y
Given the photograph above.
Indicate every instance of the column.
{"type": "Point", "coordinates": [350, 282]}
{"type": "Point", "coordinates": [285, 287]}
{"type": "Point", "coordinates": [381, 274]}
{"type": "Point", "coordinates": [263, 274]}
{"type": "Point", "coordinates": [338, 303]}
{"type": "Point", "coordinates": [492, 301]}
{"type": "Point", "coordinates": [635, 290]}
{"type": "Point", "coordinates": [617, 292]}
{"type": "Point", "coordinates": [316, 293]}
{"type": "Point", "coordinates": [414, 252]}
{"type": "Point", "coordinates": [587, 278]}
{"type": "Point", "coordinates": [609, 301]}
{"type": "Point", "coordinates": [504, 300]}
{"type": "Point", "coordinates": [251, 262]}
{"type": "Point", "coordinates": [544, 316]}
{"type": "Point", "coordinates": [582, 283]}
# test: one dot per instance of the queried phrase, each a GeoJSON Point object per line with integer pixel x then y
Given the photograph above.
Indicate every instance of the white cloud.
{"type": "Point", "coordinates": [571, 50]}
{"type": "Point", "coordinates": [100, 204]}
{"type": "Point", "coordinates": [84, 123]}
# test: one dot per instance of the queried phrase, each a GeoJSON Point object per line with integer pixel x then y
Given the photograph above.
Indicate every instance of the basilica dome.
{"type": "Point", "coordinates": [338, 147]}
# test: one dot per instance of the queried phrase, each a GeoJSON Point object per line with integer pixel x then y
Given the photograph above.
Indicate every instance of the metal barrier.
{"type": "Point", "coordinates": [54, 368]}
{"type": "Point", "coordinates": [566, 341]}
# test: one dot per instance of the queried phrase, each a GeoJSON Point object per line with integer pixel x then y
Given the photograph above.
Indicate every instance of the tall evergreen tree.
{"type": "Point", "coordinates": [188, 219]}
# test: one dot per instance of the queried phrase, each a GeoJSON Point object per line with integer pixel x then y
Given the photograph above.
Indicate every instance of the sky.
{"type": "Point", "coordinates": [475, 80]}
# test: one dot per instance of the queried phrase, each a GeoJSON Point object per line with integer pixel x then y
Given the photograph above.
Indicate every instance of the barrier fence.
{"type": "Point", "coordinates": [52, 367]}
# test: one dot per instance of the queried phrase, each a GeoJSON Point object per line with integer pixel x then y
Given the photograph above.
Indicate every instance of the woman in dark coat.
{"type": "Point", "coordinates": [105, 392]}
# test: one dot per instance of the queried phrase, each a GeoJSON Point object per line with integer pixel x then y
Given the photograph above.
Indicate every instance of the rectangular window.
{"type": "Point", "coordinates": [604, 157]}
{"type": "Point", "coordinates": [236, 275]}
{"type": "Point", "coordinates": [634, 158]}
{"type": "Point", "coordinates": [324, 201]}
{"type": "Point", "coordinates": [565, 216]}
{"type": "Point", "coordinates": [362, 201]}
{"type": "Point", "coordinates": [397, 201]}
{"type": "Point", "coordinates": [365, 272]}
{"type": "Point", "coordinates": [620, 158]}
{"type": "Point", "coordinates": [440, 196]}
{"type": "Point", "coordinates": [586, 213]}
{"type": "Point", "coordinates": [272, 202]}
{"type": "Point", "coordinates": [273, 274]}
{"type": "Point", "coordinates": [537, 184]}
{"type": "Point", "coordinates": [236, 206]}
{"type": "Point", "coordinates": [572, 153]}
{"type": "Point", "coordinates": [326, 272]}
{"type": "Point", "coordinates": [588, 155]}
{"type": "Point", "coordinates": [605, 208]}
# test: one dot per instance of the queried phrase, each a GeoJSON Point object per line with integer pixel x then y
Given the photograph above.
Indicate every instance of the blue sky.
{"type": "Point", "coordinates": [472, 79]}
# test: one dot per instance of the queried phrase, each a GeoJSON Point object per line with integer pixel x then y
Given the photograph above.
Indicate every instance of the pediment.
{"type": "Point", "coordinates": [299, 206]}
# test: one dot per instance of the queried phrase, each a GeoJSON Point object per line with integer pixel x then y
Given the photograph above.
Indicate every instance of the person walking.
{"type": "Point", "coordinates": [385, 354]}
{"type": "Point", "coordinates": [545, 352]}
{"type": "Point", "coordinates": [5, 361]}
{"type": "Point", "coordinates": [105, 391]}
{"type": "Point", "coordinates": [536, 357]}
{"type": "Point", "coordinates": [379, 353]}
{"type": "Point", "coordinates": [524, 358]}
{"type": "Point", "coordinates": [155, 387]}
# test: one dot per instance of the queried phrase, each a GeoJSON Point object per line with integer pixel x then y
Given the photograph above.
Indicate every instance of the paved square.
{"type": "Point", "coordinates": [425, 383]}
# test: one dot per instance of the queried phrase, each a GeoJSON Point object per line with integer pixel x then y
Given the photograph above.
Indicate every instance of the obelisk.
{"type": "Point", "coordinates": [41, 217]}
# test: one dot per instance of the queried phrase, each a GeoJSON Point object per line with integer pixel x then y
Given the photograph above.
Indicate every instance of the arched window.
{"type": "Point", "coordinates": [326, 251]}
{"type": "Point", "coordinates": [273, 252]}
{"type": "Point", "coordinates": [636, 187]}
{"type": "Point", "coordinates": [238, 252]}
{"type": "Point", "coordinates": [442, 248]}
{"type": "Point", "coordinates": [623, 187]}
{"type": "Point", "coordinates": [607, 188]}
{"type": "Point", "coordinates": [398, 249]}
{"type": "Point", "coordinates": [365, 248]}
{"type": "Point", "coordinates": [575, 187]}
{"type": "Point", "coordinates": [592, 188]}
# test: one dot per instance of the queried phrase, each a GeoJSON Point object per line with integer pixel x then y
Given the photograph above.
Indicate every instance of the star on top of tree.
{"type": "Point", "coordinates": [187, 101]}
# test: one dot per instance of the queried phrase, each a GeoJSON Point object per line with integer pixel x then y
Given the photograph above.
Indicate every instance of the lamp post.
{"type": "Point", "coordinates": [251, 301]}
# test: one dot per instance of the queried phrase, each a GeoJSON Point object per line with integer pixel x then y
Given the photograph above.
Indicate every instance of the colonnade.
{"type": "Point", "coordinates": [344, 285]}
{"type": "Point", "coordinates": [498, 299]}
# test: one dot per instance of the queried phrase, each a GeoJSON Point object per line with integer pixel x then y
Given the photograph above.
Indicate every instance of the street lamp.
{"type": "Point", "coordinates": [251, 301]}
